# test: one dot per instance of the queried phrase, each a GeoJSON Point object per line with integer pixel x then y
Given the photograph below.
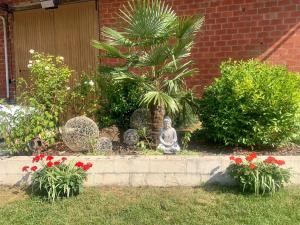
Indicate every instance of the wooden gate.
{"type": "Point", "coordinates": [66, 31]}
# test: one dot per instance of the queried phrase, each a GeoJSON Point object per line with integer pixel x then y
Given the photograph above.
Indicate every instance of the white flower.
{"type": "Point", "coordinates": [61, 58]}
{"type": "Point", "coordinates": [91, 83]}
{"type": "Point", "coordinates": [68, 88]}
{"type": "Point", "coordinates": [31, 51]}
{"type": "Point", "coordinates": [30, 61]}
{"type": "Point", "coordinates": [85, 82]}
{"type": "Point", "coordinates": [29, 65]}
{"type": "Point", "coordinates": [47, 68]}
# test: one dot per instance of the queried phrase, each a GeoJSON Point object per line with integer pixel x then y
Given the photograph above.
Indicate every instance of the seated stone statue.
{"type": "Point", "coordinates": [168, 138]}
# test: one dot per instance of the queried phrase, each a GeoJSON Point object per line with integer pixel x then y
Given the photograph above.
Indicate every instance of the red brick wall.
{"type": "Point", "coordinates": [238, 29]}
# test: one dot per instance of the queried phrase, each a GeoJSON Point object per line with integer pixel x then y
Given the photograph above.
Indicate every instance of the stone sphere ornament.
{"type": "Point", "coordinates": [80, 134]}
{"type": "Point", "coordinates": [104, 144]}
{"type": "Point", "coordinates": [131, 137]}
{"type": "Point", "coordinates": [140, 118]}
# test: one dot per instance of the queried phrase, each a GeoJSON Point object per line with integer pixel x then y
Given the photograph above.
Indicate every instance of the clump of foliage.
{"type": "Point", "coordinates": [252, 103]}
{"type": "Point", "coordinates": [259, 177]}
{"type": "Point", "coordinates": [151, 48]}
{"type": "Point", "coordinates": [118, 101]}
{"type": "Point", "coordinates": [43, 100]}
{"type": "Point", "coordinates": [84, 95]}
{"type": "Point", "coordinates": [54, 179]}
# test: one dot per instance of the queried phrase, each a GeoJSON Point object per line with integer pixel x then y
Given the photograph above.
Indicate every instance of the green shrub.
{"type": "Point", "coordinates": [44, 96]}
{"type": "Point", "coordinates": [252, 103]}
{"type": "Point", "coordinates": [118, 101]}
{"type": "Point", "coordinates": [259, 177]}
{"type": "Point", "coordinates": [54, 179]}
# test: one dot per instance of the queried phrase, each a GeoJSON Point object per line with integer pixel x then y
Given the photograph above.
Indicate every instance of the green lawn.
{"type": "Point", "coordinates": [116, 205]}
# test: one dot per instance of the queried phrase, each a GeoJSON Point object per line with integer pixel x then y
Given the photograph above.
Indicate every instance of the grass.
{"type": "Point", "coordinates": [155, 206]}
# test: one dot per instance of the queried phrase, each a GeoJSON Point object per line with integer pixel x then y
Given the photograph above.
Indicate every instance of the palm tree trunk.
{"type": "Point", "coordinates": [157, 117]}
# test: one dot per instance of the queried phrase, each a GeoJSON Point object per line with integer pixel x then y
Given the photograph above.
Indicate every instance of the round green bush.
{"type": "Point", "coordinates": [252, 104]}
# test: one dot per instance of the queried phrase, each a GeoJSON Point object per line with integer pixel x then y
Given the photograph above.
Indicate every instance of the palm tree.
{"type": "Point", "coordinates": [153, 46]}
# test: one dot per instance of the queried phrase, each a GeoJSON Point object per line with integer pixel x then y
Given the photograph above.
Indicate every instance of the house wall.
{"type": "Point", "coordinates": [238, 29]}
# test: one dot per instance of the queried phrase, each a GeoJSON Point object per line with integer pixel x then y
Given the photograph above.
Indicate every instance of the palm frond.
{"type": "Point", "coordinates": [161, 99]}
{"type": "Point", "coordinates": [109, 49]}
{"type": "Point", "coordinates": [148, 22]}
{"type": "Point", "coordinates": [188, 26]}
{"type": "Point", "coordinates": [157, 55]}
{"type": "Point", "coordinates": [114, 37]}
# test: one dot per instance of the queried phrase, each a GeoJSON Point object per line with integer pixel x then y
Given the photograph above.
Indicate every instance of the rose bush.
{"type": "Point", "coordinates": [258, 176]}
{"type": "Point", "coordinates": [55, 178]}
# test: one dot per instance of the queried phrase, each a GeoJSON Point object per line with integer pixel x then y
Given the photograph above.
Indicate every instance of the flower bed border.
{"type": "Point", "coordinates": [144, 170]}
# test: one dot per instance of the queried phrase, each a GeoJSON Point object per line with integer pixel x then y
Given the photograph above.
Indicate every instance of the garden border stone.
{"type": "Point", "coordinates": [160, 171]}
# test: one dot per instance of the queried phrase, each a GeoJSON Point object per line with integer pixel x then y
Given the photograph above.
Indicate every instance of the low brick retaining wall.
{"type": "Point", "coordinates": [143, 170]}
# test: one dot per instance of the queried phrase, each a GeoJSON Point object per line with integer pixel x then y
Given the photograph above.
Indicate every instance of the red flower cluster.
{"type": "Point", "coordinates": [251, 156]}
{"type": "Point", "coordinates": [273, 160]}
{"type": "Point", "coordinates": [39, 158]}
{"type": "Point", "coordinates": [83, 166]}
{"type": "Point", "coordinates": [236, 160]}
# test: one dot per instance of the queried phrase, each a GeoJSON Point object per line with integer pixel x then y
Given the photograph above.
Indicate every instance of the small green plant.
{"type": "Point", "coordinates": [252, 104]}
{"type": "Point", "coordinates": [259, 177]}
{"type": "Point", "coordinates": [54, 179]}
{"type": "Point", "coordinates": [43, 102]}
{"type": "Point", "coordinates": [84, 96]}
{"type": "Point", "coordinates": [145, 136]}
{"type": "Point", "coordinates": [117, 101]}
{"type": "Point", "coordinates": [186, 139]}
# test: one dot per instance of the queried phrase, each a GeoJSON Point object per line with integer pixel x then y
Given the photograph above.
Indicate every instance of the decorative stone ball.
{"type": "Point", "coordinates": [104, 144]}
{"type": "Point", "coordinates": [131, 137]}
{"type": "Point", "coordinates": [140, 118]}
{"type": "Point", "coordinates": [80, 134]}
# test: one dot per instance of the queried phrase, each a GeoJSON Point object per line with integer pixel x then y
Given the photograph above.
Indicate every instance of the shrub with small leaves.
{"type": "Point", "coordinates": [54, 178]}
{"type": "Point", "coordinates": [252, 104]}
{"type": "Point", "coordinates": [257, 176]}
{"type": "Point", "coordinates": [44, 96]}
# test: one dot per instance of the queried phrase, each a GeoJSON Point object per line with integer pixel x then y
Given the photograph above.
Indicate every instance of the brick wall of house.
{"type": "Point", "coordinates": [237, 29]}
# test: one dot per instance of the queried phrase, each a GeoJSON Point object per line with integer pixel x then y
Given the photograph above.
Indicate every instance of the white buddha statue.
{"type": "Point", "coordinates": [168, 138]}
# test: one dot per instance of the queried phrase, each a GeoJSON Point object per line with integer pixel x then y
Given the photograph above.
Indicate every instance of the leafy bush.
{"type": "Point", "coordinates": [257, 176]}
{"type": "Point", "coordinates": [252, 103]}
{"type": "Point", "coordinates": [44, 96]}
{"type": "Point", "coordinates": [84, 96]}
{"type": "Point", "coordinates": [118, 101]}
{"type": "Point", "coordinates": [57, 179]}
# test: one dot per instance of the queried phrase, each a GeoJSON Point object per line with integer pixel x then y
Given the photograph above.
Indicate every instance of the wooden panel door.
{"type": "Point", "coordinates": [66, 31]}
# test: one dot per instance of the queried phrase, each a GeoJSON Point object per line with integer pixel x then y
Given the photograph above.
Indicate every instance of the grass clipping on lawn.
{"type": "Point", "coordinates": [149, 205]}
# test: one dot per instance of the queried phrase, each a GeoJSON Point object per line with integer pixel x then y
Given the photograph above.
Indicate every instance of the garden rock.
{"type": "Point", "coordinates": [131, 137]}
{"type": "Point", "coordinates": [112, 132]}
{"type": "Point", "coordinates": [104, 144]}
{"type": "Point", "coordinates": [141, 118]}
{"type": "Point", "coordinates": [80, 134]}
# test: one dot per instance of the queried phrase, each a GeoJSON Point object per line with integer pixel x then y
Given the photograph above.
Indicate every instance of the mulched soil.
{"type": "Point", "coordinates": [204, 147]}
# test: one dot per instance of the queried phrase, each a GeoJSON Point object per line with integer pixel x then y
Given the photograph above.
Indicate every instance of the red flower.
{"type": "Point", "coordinates": [238, 160]}
{"type": "Point", "coordinates": [42, 156]}
{"type": "Point", "coordinates": [25, 168]}
{"type": "Point", "coordinates": [270, 160]}
{"type": "Point", "coordinates": [251, 156]}
{"type": "Point", "coordinates": [280, 162]}
{"type": "Point", "coordinates": [231, 157]}
{"type": "Point", "coordinates": [87, 166]}
{"type": "Point", "coordinates": [33, 168]}
{"type": "Point", "coordinates": [252, 166]}
{"type": "Point", "coordinates": [56, 163]}
{"type": "Point", "coordinates": [36, 159]}
{"type": "Point", "coordinates": [49, 157]}
{"type": "Point", "coordinates": [63, 158]}
{"type": "Point", "coordinates": [79, 164]}
{"type": "Point", "coordinates": [50, 164]}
